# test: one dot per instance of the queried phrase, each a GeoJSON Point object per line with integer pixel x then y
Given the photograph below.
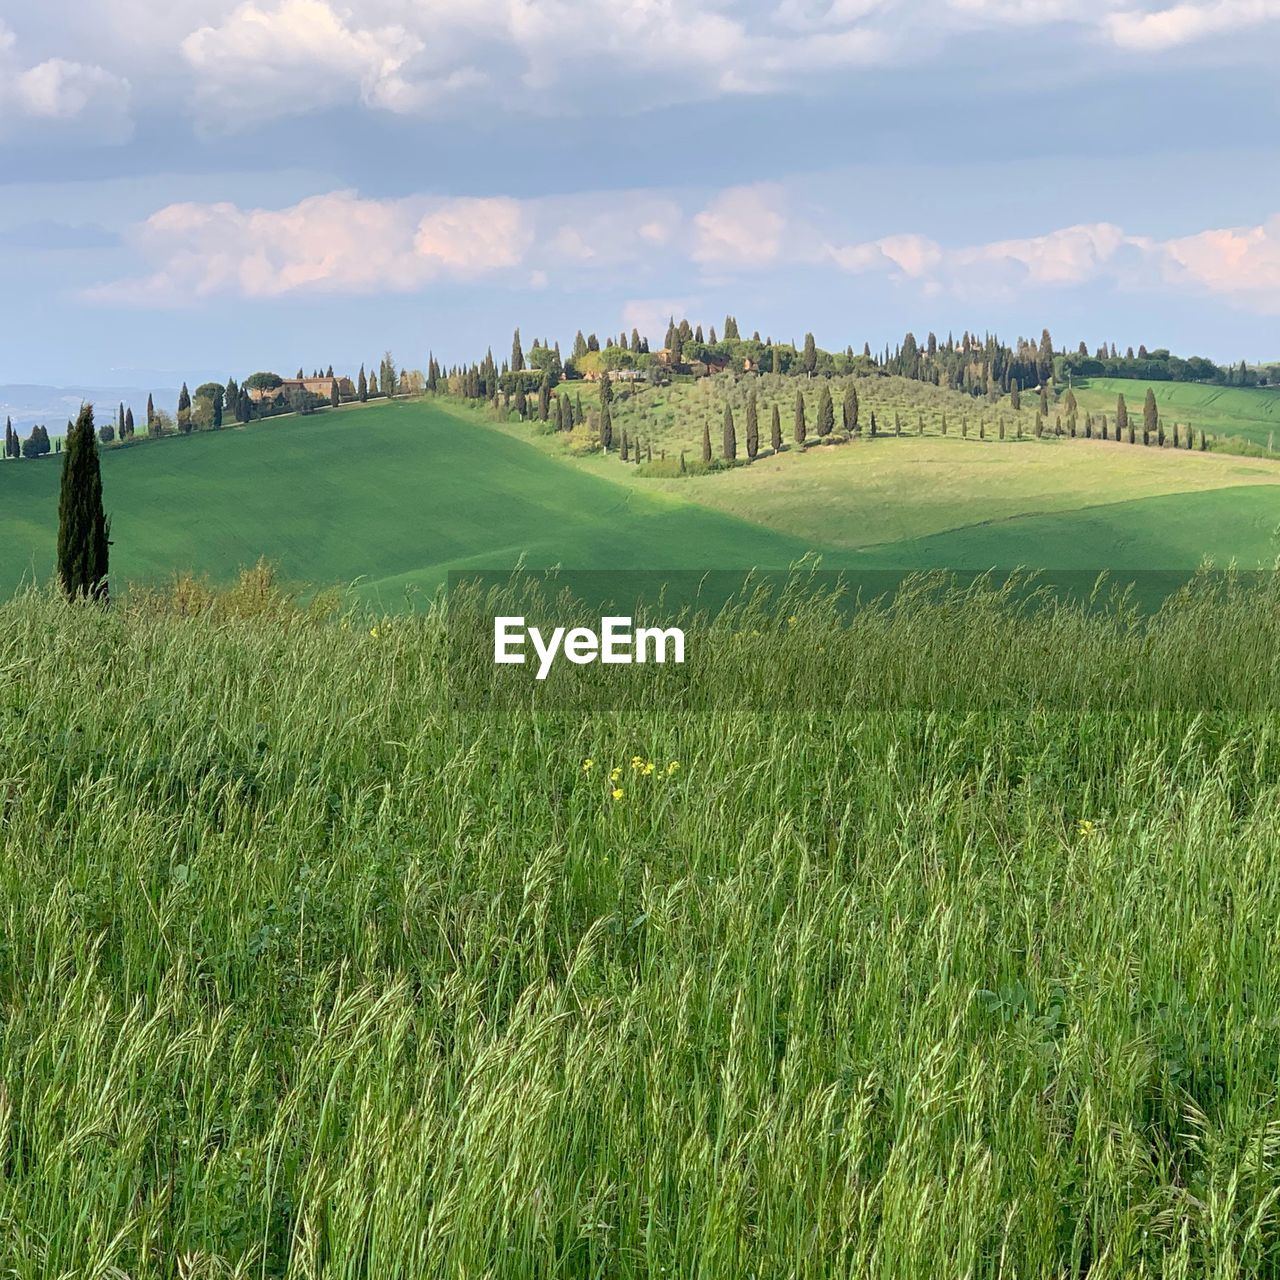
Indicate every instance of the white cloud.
{"type": "Point", "coordinates": [1153, 31]}
{"type": "Point", "coordinates": [341, 242]}
{"type": "Point", "coordinates": [741, 227]}
{"type": "Point", "coordinates": [1239, 262]}
{"type": "Point", "coordinates": [58, 96]}
{"type": "Point", "coordinates": [298, 55]}
{"type": "Point", "coordinates": [335, 243]}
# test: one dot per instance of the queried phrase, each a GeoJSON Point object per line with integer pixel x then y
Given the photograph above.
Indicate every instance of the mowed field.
{"type": "Point", "coordinates": [1252, 413]}
{"type": "Point", "coordinates": [389, 498]}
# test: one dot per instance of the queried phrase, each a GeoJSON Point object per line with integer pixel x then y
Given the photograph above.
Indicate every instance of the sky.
{"type": "Point", "coordinates": [204, 188]}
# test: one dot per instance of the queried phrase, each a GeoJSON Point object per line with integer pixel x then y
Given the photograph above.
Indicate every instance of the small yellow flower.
{"type": "Point", "coordinates": [791, 621]}
{"type": "Point", "coordinates": [1086, 829]}
{"type": "Point", "coordinates": [617, 793]}
{"type": "Point", "coordinates": [637, 762]}
{"type": "Point", "coordinates": [588, 764]}
{"type": "Point", "coordinates": [647, 768]}
{"type": "Point", "coordinates": [673, 767]}
{"type": "Point", "coordinates": [614, 774]}
{"type": "Point", "coordinates": [373, 631]}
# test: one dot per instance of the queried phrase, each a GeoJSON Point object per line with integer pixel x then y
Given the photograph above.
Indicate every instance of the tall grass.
{"type": "Point", "coordinates": [305, 973]}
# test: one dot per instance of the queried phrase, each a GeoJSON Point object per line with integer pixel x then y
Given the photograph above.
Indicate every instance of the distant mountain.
{"type": "Point", "coordinates": [29, 404]}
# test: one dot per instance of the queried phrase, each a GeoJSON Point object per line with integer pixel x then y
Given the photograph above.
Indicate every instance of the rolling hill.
{"type": "Point", "coordinates": [389, 498]}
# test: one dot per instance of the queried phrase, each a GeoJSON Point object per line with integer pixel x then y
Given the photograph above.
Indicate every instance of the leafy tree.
{"type": "Point", "coordinates": [849, 413]}
{"type": "Point", "coordinates": [753, 424]}
{"type": "Point", "coordinates": [730, 445]}
{"type": "Point", "coordinates": [798, 430]}
{"type": "Point", "coordinates": [826, 413]}
{"type": "Point", "coordinates": [775, 430]}
{"type": "Point", "coordinates": [83, 528]}
{"type": "Point", "coordinates": [106, 433]}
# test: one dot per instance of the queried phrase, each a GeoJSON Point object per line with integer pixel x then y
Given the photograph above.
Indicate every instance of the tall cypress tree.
{"type": "Point", "coordinates": [1150, 417]}
{"type": "Point", "coordinates": [775, 430]}
{"type": "Point", "coordinates": [850, 410]}
{"type": "Point", "coordinates": [809, 361]}
{"type": "Point", "coordinates": [798, 429]}
{"type": "Point", "coordinates": [362, 386]}
{"type": "Point", "coordinates": [151, 413]}
{"type": "Point", "coordinates": [334, 398]}
{"type": "Point", "coordinates": [729, 449]}
{"type": "Point", "coordinates": [184, 409]}
{"type": "Point", "coordinates": [83, 528]}
{"type": "Point", "coordinates": [753, 427]}
{"type": "Point", "coordinates": [1122, 419]}
{"type": "Point", "coordinates": [128, 423]}
{"type": "Point", "coordinates": [706, 441]}
{"type": "Point", "coordinates": [606, 427]}
{"type": "Point", "coordinates": [517, 353]}
{"type": "Point", "coordinates": [826, 413]}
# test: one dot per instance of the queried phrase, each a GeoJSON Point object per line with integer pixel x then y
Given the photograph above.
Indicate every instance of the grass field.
{"type": "Point", "coordinates": [391, 495]}
{"type": "Point", "coordinates": [1252, 413]}
{"type": "Point", "coordinates": [306, 975]}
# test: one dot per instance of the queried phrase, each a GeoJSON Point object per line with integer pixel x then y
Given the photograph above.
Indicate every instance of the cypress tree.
{"type": "Point", "coordinates": [184, 409]}
{"type": "Point", "coordinates": [730, 443]}
{"type": "Point", "coordinates": [120, 421]}
{"type": "Point", "coordinates": [522, 402]}
{"type": "Point", "coordinates": [373, 383]}
{"type": "Point", "coordinates": [1122, 419]}
{"type": "Point", "coordinates": [334, 398]}
{"type": "Point", "coordinates": [826, 413]}
{"type": "Point", "coordinates": [606, 428]}
{"type": "Point", "coordinates": [217, 408]}
{"type": "Point", "coordinates": [753, 427]}
{"type": "Point", "coordinates": [626, 453]}
{"type": "Point", "coordinates": [1150, 417]}
{"type": "Point", "coordinates": [517, 354]}
{"type": "Point", "coordinates": [850, 411]}
{"type": "Point", "coordinates": [706, 441]}
{"type": "Point", "coordinates": [775, 430]}
{"type": "Point", "coordinates": [151, 413]}
{"type": "Point", "coordinates": [1044, 400]}
{"type": "Point", "coordinates": [873, 424]}
{"type": "Point", "coordinates": [544, 397]}
{"type": "Point", "coordinates": [1204, 441]}
{"type": "Point", "coordinates": [83, 528]}
{"type": "Point", "coordinates": [798, 427]}
{"type": "Point", "coordinates": [809, 361]}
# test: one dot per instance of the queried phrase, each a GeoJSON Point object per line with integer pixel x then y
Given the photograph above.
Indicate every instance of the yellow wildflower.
{"type": "Point", "coordinates": [1086, 829]}
{"type": "Point", "coordinates": [617, 793]}
{"type": "Point", "coordinates": [791, 621]}
{"type": "Point", "coordinates": [647, 768]}
{"type": "Point", "coordinates": [615, 774]}
{"type": "Point", "coordinates": [373, 631]}
{"type": "Point", "coordinates": [588, 764]}
{"type": "Point", "coordinates": [637, 762]}
{"type": "Point", "coordinates": [672, 767]}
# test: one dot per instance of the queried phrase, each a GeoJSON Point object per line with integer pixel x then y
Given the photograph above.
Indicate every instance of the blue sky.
{"type": "Point", "coordinates": [207, 187]}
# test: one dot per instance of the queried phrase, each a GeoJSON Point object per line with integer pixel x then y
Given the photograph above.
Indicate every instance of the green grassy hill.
{"type": "Point", "coordinates": [1252, 413]}
{"type": "Point", "coordinates": [393, 495]}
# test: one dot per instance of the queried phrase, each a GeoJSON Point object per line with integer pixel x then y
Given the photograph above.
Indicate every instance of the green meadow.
{"type": "Point", "coordinates": [307, 974]}
{"type": "Point", "coordinates": [385, 499]}
{"type": "Point", "coordinates": [1250, 413]}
